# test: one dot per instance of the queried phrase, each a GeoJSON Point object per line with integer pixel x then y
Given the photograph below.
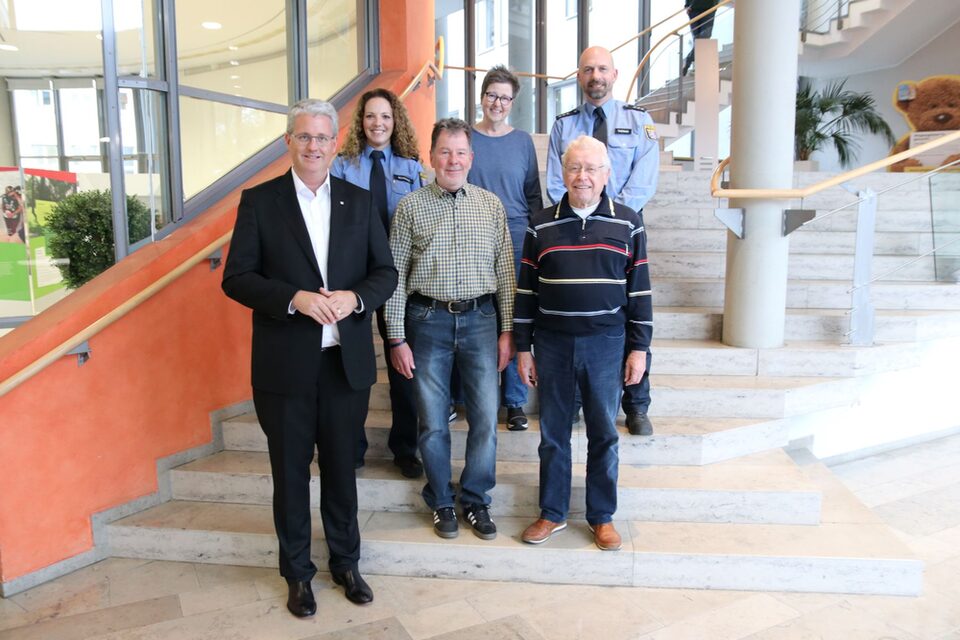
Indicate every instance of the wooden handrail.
{"type": "Point", "coordinates": [790, 194]}
{"type": "Point", "coordinates": [435, 65]}
{"type": "Point", "coordinates": [110, 317]}
{"type": "Point", "coordinates": [544, 76]}
{"type": "Point", "coordinates": [643, 62]}
{"type": "Point", "coordinates": [522, 74]}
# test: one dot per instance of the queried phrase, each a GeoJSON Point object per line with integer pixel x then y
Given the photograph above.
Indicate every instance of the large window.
{"type": "Point", "coordinates": [194, 88]}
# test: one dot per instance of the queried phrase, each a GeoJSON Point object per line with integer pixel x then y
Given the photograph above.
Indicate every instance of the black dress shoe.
{"type": "Point", "coordinates": [638, 424]}
{"type": "Point", "coordinates": [354, 586]}
{"type": "Point", "coordinates": [301, 601]}
{"type": "Point", "coordinates": [410, 467]}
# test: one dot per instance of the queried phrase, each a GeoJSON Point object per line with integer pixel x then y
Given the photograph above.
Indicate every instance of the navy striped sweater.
{"type": "Point", "coordinates": [580, 276]}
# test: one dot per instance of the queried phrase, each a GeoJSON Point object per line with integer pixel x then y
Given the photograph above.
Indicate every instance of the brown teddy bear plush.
{"type": "Point", "coordinates": [935, 107]}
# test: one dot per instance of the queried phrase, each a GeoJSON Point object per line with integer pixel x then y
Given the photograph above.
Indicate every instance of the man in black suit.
{"type": "Point", "coordinates": [311, 258]}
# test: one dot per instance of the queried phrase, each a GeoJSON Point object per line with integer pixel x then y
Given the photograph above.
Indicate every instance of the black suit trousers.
{"type": "Point", "coordinates": [403, 403]}
{"type": "Point", "coordinates": [296, 425]}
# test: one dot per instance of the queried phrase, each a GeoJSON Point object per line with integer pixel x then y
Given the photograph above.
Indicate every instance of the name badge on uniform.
{"type": "Point", "coordinates": [651, 131]}
{"type": "Point", "coordinates": [626, 130]}
{"type": "Point", "coordinates": [406, 179]}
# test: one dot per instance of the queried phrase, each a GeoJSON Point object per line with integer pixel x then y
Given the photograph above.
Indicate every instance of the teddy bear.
{"type": "Point", "coordinates": [933, 104]}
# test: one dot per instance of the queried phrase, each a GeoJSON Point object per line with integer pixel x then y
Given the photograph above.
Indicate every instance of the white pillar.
{"type": "Point", "coordinates": [764, 96]}
{"type": "Point", "coordinates": [706, 100]}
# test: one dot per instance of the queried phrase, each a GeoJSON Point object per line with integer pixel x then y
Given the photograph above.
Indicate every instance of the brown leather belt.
{"type": "Point", "coordinates": [453, 306]}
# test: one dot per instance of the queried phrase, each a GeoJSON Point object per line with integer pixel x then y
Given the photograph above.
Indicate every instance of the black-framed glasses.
{"type": "Point", "coordinates": [492, 97]}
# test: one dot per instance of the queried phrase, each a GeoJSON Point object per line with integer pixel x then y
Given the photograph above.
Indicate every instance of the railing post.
{"type": "Point", "coordinates": [680, 83]}
{"type": "Point", "coordinates": [861, 309]}
{"type": "Point", "coordinates": [839, 15]}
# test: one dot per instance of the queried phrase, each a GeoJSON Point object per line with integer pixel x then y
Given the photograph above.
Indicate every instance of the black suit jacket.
{"type": "Point", "coordinates": [271, 258]}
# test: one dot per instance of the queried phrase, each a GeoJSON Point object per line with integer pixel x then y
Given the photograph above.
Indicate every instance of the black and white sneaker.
{"type": "Point", "coordinates": [516, 419]}
{"type": "Point", "coordinates": [478, 516]}
{"type": "Point", "coordinates": [445, 522]}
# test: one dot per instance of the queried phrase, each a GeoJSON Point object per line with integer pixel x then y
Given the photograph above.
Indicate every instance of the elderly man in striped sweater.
{"type": "Point", "coordinates": [583, 300]}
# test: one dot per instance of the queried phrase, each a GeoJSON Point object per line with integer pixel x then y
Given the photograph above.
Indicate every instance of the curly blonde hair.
{"type": "Point", "coordinates": [403, 140]}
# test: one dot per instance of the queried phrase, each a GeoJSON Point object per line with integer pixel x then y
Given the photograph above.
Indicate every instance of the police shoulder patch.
{"type": "Point", "coordinates": [634, 107]}
{"type": "Point", "coordinates": [572, 112]}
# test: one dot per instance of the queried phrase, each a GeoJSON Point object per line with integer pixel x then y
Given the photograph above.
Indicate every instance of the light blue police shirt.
{"type": "Point", "coordinates": [631, 144]}
{"type": "Point", "coordinates": [404, 175]}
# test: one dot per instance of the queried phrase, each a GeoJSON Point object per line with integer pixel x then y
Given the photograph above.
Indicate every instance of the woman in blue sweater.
{"type": "Point", "coordinates": [505, 163]}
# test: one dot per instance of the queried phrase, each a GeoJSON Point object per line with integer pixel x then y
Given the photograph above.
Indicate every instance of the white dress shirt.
{"type": "Point", "coordinates": [315, 208]}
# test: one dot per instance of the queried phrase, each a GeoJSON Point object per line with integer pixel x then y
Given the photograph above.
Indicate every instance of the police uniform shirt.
{"type": "Point", "coordinates": [404, 175]}
{"type": "Point", "coordinates": [631, 144]}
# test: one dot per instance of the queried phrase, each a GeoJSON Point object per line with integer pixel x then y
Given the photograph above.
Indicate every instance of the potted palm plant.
{"type": "Point", "coordinates": [834, 116]}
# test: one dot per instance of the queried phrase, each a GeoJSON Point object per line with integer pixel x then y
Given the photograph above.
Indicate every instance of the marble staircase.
{"type": "Point", "coordinates": [711, 500]}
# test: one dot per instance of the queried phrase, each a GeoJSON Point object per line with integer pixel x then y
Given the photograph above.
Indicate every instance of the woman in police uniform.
{"type": "Point", "coordinates": [380, 154]}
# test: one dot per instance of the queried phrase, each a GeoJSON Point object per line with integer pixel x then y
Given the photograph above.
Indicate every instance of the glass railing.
{"type": "Point", "coordinates": [897, 228]}
{"type": "Point", "coordinates": [821, 16]}
{"type": "Point", "coordinates": [945, 223]}
{"type": "Point", "coordinates": [665, 90]}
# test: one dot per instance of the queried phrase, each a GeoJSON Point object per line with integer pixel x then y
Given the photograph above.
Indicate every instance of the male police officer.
{"type": "Point", "coordinates": [634, 152]}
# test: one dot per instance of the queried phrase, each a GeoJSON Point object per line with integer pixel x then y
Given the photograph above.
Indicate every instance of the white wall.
{"type": "Point", "coordinates": [939, 57]}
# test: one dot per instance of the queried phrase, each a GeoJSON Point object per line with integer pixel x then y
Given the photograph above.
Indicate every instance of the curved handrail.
{"type": "Point", "coordinates": [544, 76]}
{"type": "Point", "coordinates": [674, 32]}
{"type": "Point", "coordinates": [522, 74]}
{"type": "Point", "coordinates": [435, 65]}
{"type": "Point", "coordinates": [790, 194]}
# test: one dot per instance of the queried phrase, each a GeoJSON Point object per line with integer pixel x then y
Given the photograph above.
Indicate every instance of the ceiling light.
{"type": "Point", "coordinates": [233, 47]}
{"type": "Point", "coordinates": [213, 26]}
{"type": "Point", "coordinates": [235, 63]}
{"type": "Point", "coordinates": [234, 77]}
{"type": "Point", "coordinates": [8, 47]}
{"type": "Point", "coordinates": [99, 36]}
{"type": "Point", "coordinates": [236, 86]}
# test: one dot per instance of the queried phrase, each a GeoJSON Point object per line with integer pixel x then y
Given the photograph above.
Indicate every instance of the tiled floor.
{"type": "Point", "coordinates": [915, 490]}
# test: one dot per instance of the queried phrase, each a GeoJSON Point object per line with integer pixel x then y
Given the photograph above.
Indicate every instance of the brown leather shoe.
{"type": "Point", "coordinates": [606, 537]}
{"type": "Point", "coordinates": [541, 530]}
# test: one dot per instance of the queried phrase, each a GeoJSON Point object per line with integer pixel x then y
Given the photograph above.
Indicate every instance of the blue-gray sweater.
{"type": "Point", "coordinates": [580, 276]}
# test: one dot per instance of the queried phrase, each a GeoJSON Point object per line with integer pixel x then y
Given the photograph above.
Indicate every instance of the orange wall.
{"type": "Point", "coordinates": [78, 440]}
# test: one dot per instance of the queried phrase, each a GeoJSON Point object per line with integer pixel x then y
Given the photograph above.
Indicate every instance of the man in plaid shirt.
{"type": "Point", "coordinates": [453, 253]}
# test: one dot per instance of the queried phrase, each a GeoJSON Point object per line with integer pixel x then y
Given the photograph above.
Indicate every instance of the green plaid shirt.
{"type": "Point", "coordinates": [451, 247]}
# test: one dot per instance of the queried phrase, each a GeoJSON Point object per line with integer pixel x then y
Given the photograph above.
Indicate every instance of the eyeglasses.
{"type": "Point", "coordinates": [303, 139]}
{"type": "Point", "coordinates": [492, 97]}
{"type": "Point", "coordinates": [590, 170]}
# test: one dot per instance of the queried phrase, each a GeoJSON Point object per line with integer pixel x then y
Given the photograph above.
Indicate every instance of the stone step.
{"type": "Point", "coordinates": [815, 359]}
{"type": "Point", "coordinates": [830, 325]}
{"type": "Point", "coordinates": [801, 325]}
{"type": "Point", "coordinates": [840, 557]}
{"type": "Point", "coordinates": [708, 396]}
{"type": "Point", "coordinates": [813, 266]}
{"type": "Point", "coordinates": [711, 357]}
{"type": "Point", "coordinates": [761, 488]}
{"type": "Point", "coordinates": [804, 240]}
{"type": "Point", "coordinates": [676, 440]}
{"type": "Point", "coordinates": [814, 294]}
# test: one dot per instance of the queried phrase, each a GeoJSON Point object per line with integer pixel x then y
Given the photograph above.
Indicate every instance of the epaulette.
{"type": "Point", "coordinates": [572, 112]}
{"type": "Point", "coordinates": [634, 107]}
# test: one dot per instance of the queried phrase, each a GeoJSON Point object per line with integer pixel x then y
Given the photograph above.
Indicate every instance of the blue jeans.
{"type": "Point", "coordinates": [594, 364]}
{"type": "Point", "coordinates": [439, 339]}
{"type": "Point", "coordinates": [513, 393]}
